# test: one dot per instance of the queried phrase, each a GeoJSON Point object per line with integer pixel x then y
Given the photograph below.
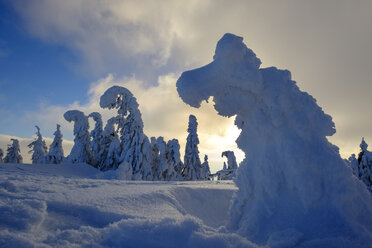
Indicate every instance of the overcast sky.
{"type": "Point", "coordinates": [61, 55]}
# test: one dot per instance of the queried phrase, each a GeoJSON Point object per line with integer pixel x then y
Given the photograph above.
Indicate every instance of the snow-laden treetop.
{"type": "Point", "coordinates": [119, 98]}
{"type": "Point", "coordinates": [363, 145]}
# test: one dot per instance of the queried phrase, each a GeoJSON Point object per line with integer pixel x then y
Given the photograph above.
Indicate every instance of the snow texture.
{"type": "Point", "coordinates": [136, 148]}
{"type": "Point", "coordinates": [362, 167]}
{"type": "Point", "coordinates": [294, 188]}
{"type": "Point", "coordinates": [192, 165]}
{"type": "Point", "coordinates": [56, 154]}
{"type": "Point", "coordinates": [67, 206]}
{"type": "Point", "coordinates": [97, 138]}
{"type": "Point", "coordinates": [38, 148]}
{"type": "Point", "coordinates": [13, 154]}
{"type": "Point", "coordinates": [81, 151]}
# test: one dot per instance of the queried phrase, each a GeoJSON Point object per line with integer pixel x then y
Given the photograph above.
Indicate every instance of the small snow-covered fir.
{"type": "Point", "coordinates": [13, 154]}
{"type": "Point", "coordinates": [56, 154]}
{"type": "Point", "coordinates": [38, 148]}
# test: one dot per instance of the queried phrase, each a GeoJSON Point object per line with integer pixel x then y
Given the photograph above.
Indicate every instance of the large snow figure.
{"type": "Point", "coordinates": [38, 148]}
{"type": "Point", "coordinates": [81, 151]}
{"type": "Point", "coordinates": [293, 182]}
{"type": "Point", "coordinates": [56, 154]}
{"type": "Point", "coordinates": [13, 154]}
{"type": "Point", "coordinates": [192, 165]}
{"type": "Point", "coordinates": [136, 146]}
{"type": "Point", "coordinates": [97, 137]}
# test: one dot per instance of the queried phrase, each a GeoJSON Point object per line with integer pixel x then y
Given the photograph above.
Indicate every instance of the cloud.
{"type": "Point", "coordinates": [163, 112]}
{"type": "Point", "coordinates": [326, 45]}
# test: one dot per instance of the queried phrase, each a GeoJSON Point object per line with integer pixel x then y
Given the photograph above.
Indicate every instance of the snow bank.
{"type": "Point", "coordinates": [292, 183]}
{"type": "Point", "coordinates": [66, 206]}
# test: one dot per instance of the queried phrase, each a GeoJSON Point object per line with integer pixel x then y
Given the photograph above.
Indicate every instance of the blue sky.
{"type": "Point", "coordinates": [59, 55]}
{"type": "Point", "coordinates": [32, 72]}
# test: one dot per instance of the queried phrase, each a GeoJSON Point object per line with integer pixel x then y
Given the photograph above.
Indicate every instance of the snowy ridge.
{"type": "Point", "coordinates": [66, 206]}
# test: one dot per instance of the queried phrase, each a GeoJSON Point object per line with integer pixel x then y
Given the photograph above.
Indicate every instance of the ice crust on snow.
{"type": "Point", "coordinates": [292, 179]}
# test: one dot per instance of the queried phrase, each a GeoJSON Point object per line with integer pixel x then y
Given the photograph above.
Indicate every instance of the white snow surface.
{"type": "Point", "coordinates": [292, 182]}
{"type": "Point", "coordinates": [74, 205]}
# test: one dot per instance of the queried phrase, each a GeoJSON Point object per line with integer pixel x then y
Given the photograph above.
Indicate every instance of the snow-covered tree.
{"type": "Point", "coordinates": [1, 155]}
{"type": "Point", "coordinates": [97, 137]}
{"type": "Point", "coordinates": [228, 171]}
{"type": "Point", "coordinates": [231, 160]}
{"type": "Point", "coordinates": [38, 148]}
{"type": "Point", "coordinates": [163, 160]}
{"type": "Point", "coordinates": [13, 154]}
{"type": "Point", "coordinates": [362, 167]}
{"type": "Point", "coordinates": [174, 158]}
{"type": "Point", "coordinates": [205, 171]}
{"type": "Point", "coordinates": [109, 155]}
{"type": "Point", "coordinates": [56, 154]}
{"type": "Point", "coordinates": [159, 160]}
{"type": "Point", "coordinates": [136, 146]}
{"type": "Point", "coordinates": [80, 152]}
{"type": "Point", "coordinates": [192, 164]}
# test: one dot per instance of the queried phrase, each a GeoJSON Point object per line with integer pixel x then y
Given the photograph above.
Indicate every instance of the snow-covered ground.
{"type": "Point", "coordinates": [76, 206]}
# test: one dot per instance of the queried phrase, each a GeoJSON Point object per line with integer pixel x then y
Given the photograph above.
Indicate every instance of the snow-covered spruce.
{"type": "Point", "coordinates": [38, 148]}
{"type": "Point", "coordinates": [13, 153]}
{"type": "Point", "coordinates": [56, 154]}
{"type": "Point", "coordinates": [109, 154]}
{"type": "Point", "coordinates": [1, 156]}
{"type": "Point", "coordinates": [80, 152]}
{"type": "Point", "coordinates": [97, 138]}
{"type": "Point", "coordinates": [231, 160]}
{"type": "Point", "coordinates": [362, 167]}
{"type": "Point", "coordinates": [159, 159]}
{"type": "Point", "coordinates": [294, 188]}
{"type": "Point", "coordinates": [192, 165]}
{"type": "Point", "coordinates": [229, 170]}
{"type": "Point", "coordinates": [136, 146]}
{"type": "Point", "coordinates": [174, 158]}
{"type": "Point", "coordinates": [205, 173]}
{"type": "Point", "coordinates": [162, 160]}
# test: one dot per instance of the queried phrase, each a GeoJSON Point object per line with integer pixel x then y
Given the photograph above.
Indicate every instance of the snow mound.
{"type": "Point", "coordinates": [66, 206]}
{"type": "Point", "coordinates": [292, 182]}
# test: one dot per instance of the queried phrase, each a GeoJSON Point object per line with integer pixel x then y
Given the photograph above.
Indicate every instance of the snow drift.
{"type": "Point", "coordinates": [67, 206]}
{"type": "Point", "coordinates": [294, 188]}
